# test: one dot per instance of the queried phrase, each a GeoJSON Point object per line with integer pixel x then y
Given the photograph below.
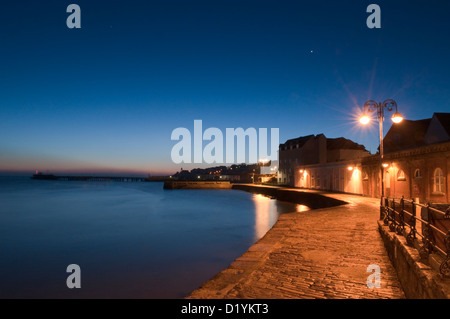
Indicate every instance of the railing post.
{"type": "Point", "coordinates": [401, 225]}
{"type": "Point", "coordinates": [382, 208]}
{"type": "Point", "coordinates": [412, 234]}
{"type": "Point", "coordinates": [392, 216]}
{"type": "Point", "coordinates": [386, 211]}
{"type": "Point", "coordinates": [445, 266]}
{"type": "Point", "coordinates": [427, 247]}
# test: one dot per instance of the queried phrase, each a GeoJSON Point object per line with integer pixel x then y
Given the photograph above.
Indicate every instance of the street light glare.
{"type": "Point", "coordinates": [364, 119]}
{"type": "Point", "coordinates": [397, 118]}
{"type": "Point", "coordinates": [373, 106]}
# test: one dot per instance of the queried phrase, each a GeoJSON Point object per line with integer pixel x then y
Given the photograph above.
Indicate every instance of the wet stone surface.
{"type": "Point", "coordinates": [321, 253]}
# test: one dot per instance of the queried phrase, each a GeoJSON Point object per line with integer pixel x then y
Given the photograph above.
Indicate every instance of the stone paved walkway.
{"type": "Point", "coordinates": [320, 253]}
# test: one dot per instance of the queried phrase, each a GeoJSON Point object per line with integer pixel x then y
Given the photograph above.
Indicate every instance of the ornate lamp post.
{"type": "Point", "coordinates": [372, 106]}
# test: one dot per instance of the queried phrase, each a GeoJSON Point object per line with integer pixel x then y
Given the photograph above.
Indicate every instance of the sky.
{"type": "Point", "coordinates": [106, 97]}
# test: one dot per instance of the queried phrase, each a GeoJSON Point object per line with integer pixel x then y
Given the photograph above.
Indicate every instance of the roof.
{"type": "Point", "coordinates": [343, 143]}
{"type": "Point", "coordinates": [444, 119]}
{"type": "Point", "coordinates": [299, 140]}
{"type": "Point", "coordinates": [332, 143]}
{"type": "Point", "coordinates": [407, 134]}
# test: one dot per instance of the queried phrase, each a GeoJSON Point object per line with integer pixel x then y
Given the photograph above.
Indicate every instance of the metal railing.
{"type": "Point", "coordinates": [432, 227]}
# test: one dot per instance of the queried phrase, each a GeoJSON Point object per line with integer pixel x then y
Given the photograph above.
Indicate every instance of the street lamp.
{"type": "Point", "coordinates": [372, 106]}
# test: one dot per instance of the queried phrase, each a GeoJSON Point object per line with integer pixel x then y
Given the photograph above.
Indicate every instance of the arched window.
{"type": "Point", "coordinates": [438, 181]}
{"type": "Point", "coordinates": [401, 175]}
{"type": "Point", "coordinates": [387, 179]}
{"type": "Point", "coordinates": [417, 173]}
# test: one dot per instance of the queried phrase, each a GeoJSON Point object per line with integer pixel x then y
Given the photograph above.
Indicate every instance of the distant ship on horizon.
{"type": "Point", "coordinates": [40, 175]}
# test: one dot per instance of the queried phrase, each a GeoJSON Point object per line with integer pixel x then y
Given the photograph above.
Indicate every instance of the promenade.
{"type": "Point", "coordinates": [321, 253]}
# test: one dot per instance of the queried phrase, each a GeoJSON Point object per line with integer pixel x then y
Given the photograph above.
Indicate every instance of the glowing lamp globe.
{"type": "Point", "coordinates": [397, 118]}
{"type": "Point", "coordinates": [364, 119]}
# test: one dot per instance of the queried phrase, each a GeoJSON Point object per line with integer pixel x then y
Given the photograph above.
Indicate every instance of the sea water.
{"type": "Point", "coordinates": [131, 240]}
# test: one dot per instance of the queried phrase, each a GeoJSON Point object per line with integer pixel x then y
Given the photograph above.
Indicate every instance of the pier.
{"type": "Point", "coordinates": [89, 178]}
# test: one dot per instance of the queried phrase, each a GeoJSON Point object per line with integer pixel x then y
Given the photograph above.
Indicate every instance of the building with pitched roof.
{"type": "Point", "coordinates": [417, 160]}
{"type": "Point", "coordinates": [416, 156]}
{"type": "Point", "coordinates": [318, 162]}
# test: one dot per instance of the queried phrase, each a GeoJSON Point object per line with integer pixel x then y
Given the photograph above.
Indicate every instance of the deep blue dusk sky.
{"type": "Point", "coordinates": [106, 97]}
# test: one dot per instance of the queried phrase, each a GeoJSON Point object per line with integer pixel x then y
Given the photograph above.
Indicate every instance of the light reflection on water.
{"type": "Point", "coordinates": [299, 208]}
{"type": "Point", "coordinates": [265, 217]}
{"type": "Point", "coordinates": [131, 240]}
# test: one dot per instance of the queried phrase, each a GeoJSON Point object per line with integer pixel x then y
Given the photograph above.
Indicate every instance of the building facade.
{"type": "Point", "coordinates": [416, 162]}
{"type": "Point", "coordinates": [323, 163]}
{"type": "Point", "coordinates": [299, 151]}
{"type": "Point", "coordinates": [341, 176]}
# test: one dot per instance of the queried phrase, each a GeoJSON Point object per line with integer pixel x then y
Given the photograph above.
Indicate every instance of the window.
{"type": "Point", "coordinates": [365, 176]}
{"type": "Point", "coordinates": [438, 183]}
{"type": "Point", "coordinates": [417, 173]}
{"type": "Point", "coordinates": [387, 179]}
{"type": "Point", "coordinates": [401, 175]}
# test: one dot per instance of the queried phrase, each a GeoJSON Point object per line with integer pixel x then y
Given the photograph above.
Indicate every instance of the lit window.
{"type": "Point", "coordinates": [417, 173]}
{"type": "Point", "coordinates": [365, 177]}
{"type": "Point", "coordinates": [401, 175]}
{"type": "Point", "coordinates": [438, 185]}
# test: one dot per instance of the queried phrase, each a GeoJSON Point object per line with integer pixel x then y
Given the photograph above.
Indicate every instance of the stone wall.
{"type": "Point", "coordinates": [197, 185]}
{"type": "Point", "coordinates": [418, 278]}
{"type": "Point", "coordinates": [311, 199]}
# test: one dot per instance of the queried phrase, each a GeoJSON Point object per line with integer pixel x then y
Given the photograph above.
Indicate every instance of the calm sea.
{"type": "Point", "coordinates": [131, 240]}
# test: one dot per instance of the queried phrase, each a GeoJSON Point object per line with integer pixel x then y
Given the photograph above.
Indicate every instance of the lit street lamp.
{"type": "Point", "coordinates": [372, 106]}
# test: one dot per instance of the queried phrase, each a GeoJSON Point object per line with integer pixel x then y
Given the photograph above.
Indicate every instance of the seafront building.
{"type": "Point", "coordinates": [318, 162]}
{"type": "Point", "coordinates": [416, 162]}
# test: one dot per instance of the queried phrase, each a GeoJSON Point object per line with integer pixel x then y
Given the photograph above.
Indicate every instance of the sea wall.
{"type": "Point", "coordinates": [197, 185]}
{"type": "Point", "coordinates": [418, 278]}
{"type": "Point", "coordinates": [313, 200]}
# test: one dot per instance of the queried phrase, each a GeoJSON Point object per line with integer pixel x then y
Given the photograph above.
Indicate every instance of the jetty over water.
{"type": "Point", "coordinates": [89, 178]}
